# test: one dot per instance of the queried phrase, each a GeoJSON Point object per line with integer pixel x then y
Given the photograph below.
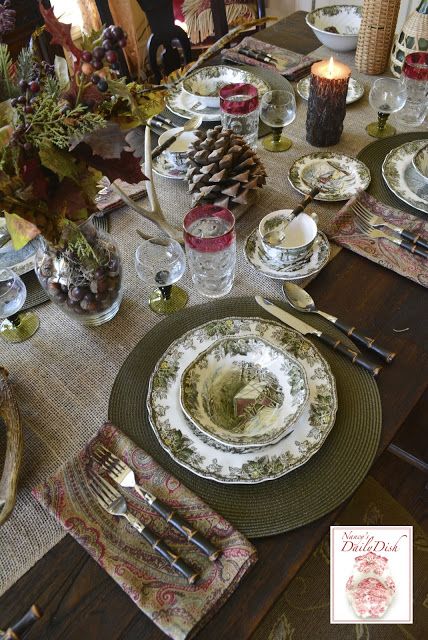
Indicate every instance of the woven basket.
{"type": "Point", "coordinates": [412, 37]}
{"type": "Point", "coordinates": [376, 35]}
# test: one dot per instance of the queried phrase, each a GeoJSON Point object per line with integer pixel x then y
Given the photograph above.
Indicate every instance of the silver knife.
{"type": "Point", "coordinates": [305, 328]}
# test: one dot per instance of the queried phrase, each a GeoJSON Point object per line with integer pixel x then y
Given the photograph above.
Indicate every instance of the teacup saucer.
{"type": "Point", "coordinates": [163, 166]}
{"type": "Point", "coordinates": [302, 268]}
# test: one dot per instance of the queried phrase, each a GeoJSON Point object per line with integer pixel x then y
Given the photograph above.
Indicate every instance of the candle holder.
{"type": "Point", "coordinates": [327, 102]}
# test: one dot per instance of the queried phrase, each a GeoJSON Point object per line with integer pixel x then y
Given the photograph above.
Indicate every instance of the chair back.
{"type": "Point", "coordinates": [218, 10]}
{"type": "Point", "coordinates": [175, 51]}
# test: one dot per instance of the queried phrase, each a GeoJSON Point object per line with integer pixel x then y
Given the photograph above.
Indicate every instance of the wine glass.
{"type": "Point", "coordinates": [14, 326]}
{"type": "Point", "coordinates": [278, 109]}
{"type": "Point", "coordinates": [160, 262]}
{"type": "Point", "coordinates": [386, 96]}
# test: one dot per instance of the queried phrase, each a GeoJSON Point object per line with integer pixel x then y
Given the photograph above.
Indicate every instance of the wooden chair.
{"type": "Point", "coordinates": [218, 10]}
{"type": "Point", "coordinates": [167, 36]}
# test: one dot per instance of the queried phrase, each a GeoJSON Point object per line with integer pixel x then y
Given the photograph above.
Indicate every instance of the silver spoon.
{"type": "Point", "coordinates": [300, 299]}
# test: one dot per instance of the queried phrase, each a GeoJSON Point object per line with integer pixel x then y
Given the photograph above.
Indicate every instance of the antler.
{"type": "Point", "coordinates": [154, 214]}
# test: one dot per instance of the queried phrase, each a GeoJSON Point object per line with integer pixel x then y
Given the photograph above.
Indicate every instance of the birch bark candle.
{"type": "Point", "coordinates": [327, 102]}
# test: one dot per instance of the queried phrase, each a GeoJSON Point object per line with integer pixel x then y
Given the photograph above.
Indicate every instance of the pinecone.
{"type": "Point", "coordinates": [223, 168]}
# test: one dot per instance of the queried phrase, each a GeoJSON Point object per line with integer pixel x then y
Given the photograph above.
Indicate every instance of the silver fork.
{"type": "Point", "coordinates": [124, 476]}
{"type": "Point", "coordinates": [114, 503]}
{"type": "Point", "coordinates": [371, 232]}
{"type": "Point", "coordinates": [377, 221]}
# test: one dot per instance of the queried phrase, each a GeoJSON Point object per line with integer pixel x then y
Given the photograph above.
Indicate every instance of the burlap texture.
{"type": "Point", "coordinates": [64, 373]}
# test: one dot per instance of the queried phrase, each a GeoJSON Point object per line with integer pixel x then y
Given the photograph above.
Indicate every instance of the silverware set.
{"type": "Point", "coordinates": [114, 474]}
{"type": "Point", "coordinates": [370, 225]}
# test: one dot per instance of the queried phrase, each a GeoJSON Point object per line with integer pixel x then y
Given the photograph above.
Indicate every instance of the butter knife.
{"type": "Point", "coordinates": [305, 329]}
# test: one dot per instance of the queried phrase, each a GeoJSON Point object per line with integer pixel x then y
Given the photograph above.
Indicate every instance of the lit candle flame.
{"type": "Point", "coordinates": [331, 67]}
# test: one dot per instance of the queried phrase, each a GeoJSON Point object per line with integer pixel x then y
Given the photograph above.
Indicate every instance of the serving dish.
{"type": "Point", "coordinates": [336, 26]}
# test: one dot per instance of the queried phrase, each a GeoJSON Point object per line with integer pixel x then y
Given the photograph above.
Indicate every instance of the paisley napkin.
{"type": "Point", "coordinates": [179, 609]}
{"type": "Point", "coordinates": [297, 65]}
{"type": "Point", "coordinates": [345, 232]}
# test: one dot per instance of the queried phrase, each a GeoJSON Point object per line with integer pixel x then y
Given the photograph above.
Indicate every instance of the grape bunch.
{"type": "Point", "coordinates": [31, 87]}
{"type": "Point", "coordinates": [113, 39]}
{"type": "Point", "coordinates": [7, 17]}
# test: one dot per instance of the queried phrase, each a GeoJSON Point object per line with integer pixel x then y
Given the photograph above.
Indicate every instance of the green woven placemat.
{"type": "Point", "coordinates": [35, 294]}
{"type": "Point", "coordinates": [272, 78]}
{"type": "Point", "coordinates": [373, 156]}
{"type": "Point", "coordinates": [301, 496]}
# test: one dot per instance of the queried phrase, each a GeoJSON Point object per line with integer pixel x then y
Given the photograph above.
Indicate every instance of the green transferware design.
{"type": "Point", "coordinates": [307, 170]}
{"type": "Point", "coordinates": [344, 18]}
{"type": "Point", "coordinates": [310, 263]}
{"type": "Point", "coordinates": [355, 89]}
{"type": "Point", "coordinates": [211, 383]}
{"type": "Point", "coordinates": [163, 166]}
{"type": "Point", "coordinates": [183, 104]}
{"type": "Point", "coordinates": [402, 178]}
{"type": "Point", "coordinates": [201, 454]}
{"type": "Point", "coordinates": [420, 161]}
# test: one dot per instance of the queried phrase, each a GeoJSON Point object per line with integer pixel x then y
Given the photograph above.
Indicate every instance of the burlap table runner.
{"type": "Point", "coordinates": [63, 375]}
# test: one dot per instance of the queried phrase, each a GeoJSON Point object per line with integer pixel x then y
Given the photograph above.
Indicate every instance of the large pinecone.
{"type": "Point", "coordinates": [223, 168]}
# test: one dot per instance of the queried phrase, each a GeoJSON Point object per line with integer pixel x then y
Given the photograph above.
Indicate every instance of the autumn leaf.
{"type": "Point", "coordinates": [127, 168]}
{"type": "Point", "coordinates": [58, 161]}
{"type": "Point", "coordinates": [60, 32]}
{"type": "Point", "coordinates": [69, 200]}
{"type": "Point", "coordinates": [32, 174]}
{"type": "Point", "coordinates": [21, 231]}
{"type": "Point", "coordinates": [107, 142]}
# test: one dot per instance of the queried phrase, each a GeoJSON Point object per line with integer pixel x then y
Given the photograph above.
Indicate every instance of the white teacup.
{"type": "Point", "coordinates": [289, 238]}
{"type": "Point", "coordinates": [177, 152]}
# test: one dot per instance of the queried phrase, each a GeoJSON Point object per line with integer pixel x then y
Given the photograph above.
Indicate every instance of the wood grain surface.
{"type": "Point", "coordinates": [81, 601]}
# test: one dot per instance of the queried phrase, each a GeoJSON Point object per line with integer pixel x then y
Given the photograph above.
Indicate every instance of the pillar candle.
{"type": "Point", "coordinates": [327, 102]}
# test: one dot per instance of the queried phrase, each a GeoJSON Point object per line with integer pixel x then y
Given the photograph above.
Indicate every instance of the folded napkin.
{"type": "Point", "coordinates": [345, 232]}
{"type": "Point", "coordinates": [108, 200]}
{"type": "Point", "coordinates": [297, 65]}
{"type": "Point", "coordinates": [179, 609]}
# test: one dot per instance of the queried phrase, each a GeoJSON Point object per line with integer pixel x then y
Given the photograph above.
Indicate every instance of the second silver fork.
{"type": "Point", "coordinates": [372, 232]}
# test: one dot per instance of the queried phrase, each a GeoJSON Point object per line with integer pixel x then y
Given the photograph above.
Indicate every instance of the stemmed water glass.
{"type": "Point", "coordinates": [278, 109]}
{"type": "Point", "coordinates": [386, 96]}
{"type": "Point", "coordinates": [14, 326]}
{"type": "Point", "coordinates": [160, 262]}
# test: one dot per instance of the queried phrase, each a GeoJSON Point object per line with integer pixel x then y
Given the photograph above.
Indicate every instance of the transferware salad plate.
{"type": "Point", "coordinates": [202, 455]}
{"type": "Point", "coordinates": [402, 178]}
{"type": "Point", "coordinates": [340, 175]}
{"type": "Point", "coordinates": [244, 391]}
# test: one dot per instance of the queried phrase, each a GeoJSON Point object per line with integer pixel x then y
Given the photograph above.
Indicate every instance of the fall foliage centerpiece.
{"type": "Point", "coordinates": [60, 133]}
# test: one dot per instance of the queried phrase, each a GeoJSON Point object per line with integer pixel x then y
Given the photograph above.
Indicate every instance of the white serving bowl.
{"type": "Point", "coordinates": [346, 18]}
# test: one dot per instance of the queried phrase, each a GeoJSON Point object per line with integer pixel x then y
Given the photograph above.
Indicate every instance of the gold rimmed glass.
{"type": "Point", "coordinates": [277, 109]}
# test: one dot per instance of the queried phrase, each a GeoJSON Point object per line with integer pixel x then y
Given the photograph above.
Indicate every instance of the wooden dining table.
{"type": "Point", "coordinates": [80, 600]}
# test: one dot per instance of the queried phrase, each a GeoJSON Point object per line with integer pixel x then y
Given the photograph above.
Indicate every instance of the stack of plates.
{"type": "Point", "coordinates": [241, 400]}
{"type": "Point", "coordinates": [186, 105]}
{"type": "Point", "coordinates": [402, 177]}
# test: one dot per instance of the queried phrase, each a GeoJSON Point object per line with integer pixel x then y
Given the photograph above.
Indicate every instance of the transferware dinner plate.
{"type": "Point", "coordinates": [355, 89]}
{"type": "Point", "coordinates": [302, 268]}
{"type": "Point", "coordinates": [402, 178]}
{"type": "Point", "coordinates": [21, 261]}
{"type": "Point", "coordinates": [202, 455]}
{"type": "Point", "coordinates": [310, 170]}
{"type": "Point", "coordinates": [244, 391]}
{"type": "Point", "coordinates": [186, 106]}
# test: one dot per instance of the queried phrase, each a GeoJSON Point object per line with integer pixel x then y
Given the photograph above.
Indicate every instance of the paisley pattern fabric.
{"type": "Point", "coordinates": [179, 609]}
{"type": "Point", "coordinates": [345, 232]}
{"type": "Point", "coordinates": [303, 610]}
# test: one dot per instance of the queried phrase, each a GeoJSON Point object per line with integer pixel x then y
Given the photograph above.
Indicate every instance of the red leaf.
{"type": "Point", "coordinates": [60, 32]}
{"type": "Point", "coordinates": [68, 199]}
{"type": "Point", "coordinates": [127, 167]}
{"type": "Point", "coordinates": [32, 174]}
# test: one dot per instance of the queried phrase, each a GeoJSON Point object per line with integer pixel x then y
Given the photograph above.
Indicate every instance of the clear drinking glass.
{"type": "Point", "coordinates": [239, 109]}
{"type": "Point", "coordinates": [278, 109]}
{"type": "Point", "coordinates": [14, 327]}
{"type": "Point", "coordinates": [209, 234]}
{"type": "Point", "coordinates": [161, 262]}
{"type": "Point", "coordinates": [386, 96]}
{"type": "Point", "coordinates": [415, 79]}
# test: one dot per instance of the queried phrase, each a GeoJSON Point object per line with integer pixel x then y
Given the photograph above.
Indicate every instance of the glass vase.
{"type": "Point", "coordinates": [82, 274]}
